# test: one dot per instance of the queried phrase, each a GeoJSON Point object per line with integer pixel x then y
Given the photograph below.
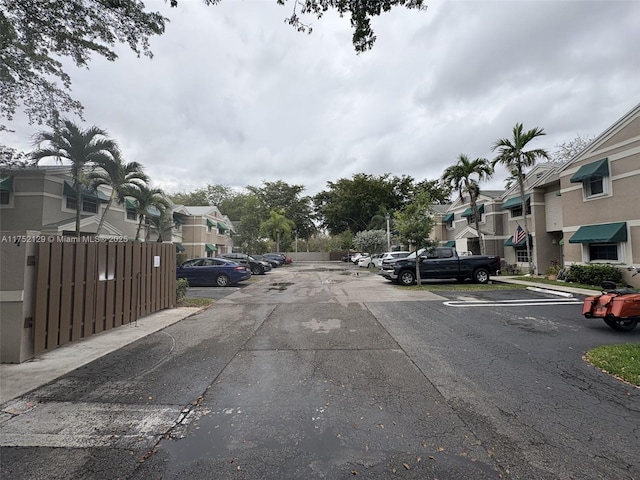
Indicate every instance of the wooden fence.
{"type": "Point", "coordinates": [87, 287]}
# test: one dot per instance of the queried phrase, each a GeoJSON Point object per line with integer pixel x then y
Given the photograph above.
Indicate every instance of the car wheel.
{"type": "Point", "coordinates": [481, 275]}
{"type": "Point", "coordinates": [257, 270]}
{"type": "Point", "coordinates": [406, 278]}
{"type": "Point", "coordinates": [222, 280]}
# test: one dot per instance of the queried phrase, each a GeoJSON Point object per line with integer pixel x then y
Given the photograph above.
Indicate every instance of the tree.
{"type": "Point", "coordinates": [121, 177]}
{"type": "Point", "coordinates": [162, 224]}
{"type": "Point", "coordinates": [415, 224]}
{"type": "Point", "coordinates": [80, 147]}
{"type": "Point", "coordinates": [35, 34]}
{"type": "Point", "coordinates": [565, 151]}
{"type": "Point", "coordinates": [146, 200]}
{"type": "Point", "coordinates": [371, 241]}
{"type": "Point", "coordinates": [194, 199]}
{"type": "Point", "coordinates": [464, 177]}
{"type": "Point", "coordinates": [351, 204]}
{"type": "Point", "coordinates": [512, 154]}
{"type": "Point", "coordinates": [277, 226]}
{"type": "Point", "coordinates": [288, 199]}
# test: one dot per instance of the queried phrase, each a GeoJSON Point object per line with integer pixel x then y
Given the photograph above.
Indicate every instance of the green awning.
{"type": "Point", "coordinates": [210, 247]}
{"type": "Point", "coordinates": [515, 202]}
{"type": "Point", "coordinates": [521, 243]}
{"type": "Point", "coordinates": [130, 204]}
{"type": "Point", "coordinates": [603, 233]}
{"type": "Point", "coordinates": [210, 224]}
{"type": "Point", "coordinates": [69, 191]}
{"type": "Point", "coordinates": [6, 184]}
{"type": "Point", "coordinates": [450, 243]}
{"type": "Point", "coordinates": [591, 170]}
{"type": "Point", "coordinates": [468, 212]}
{"type": "Point", "coordinates": [448, 217]}
{"type": "Point", "coordinates": [222, 226]}
{"type": "Point", "coordinates": [179, 247]}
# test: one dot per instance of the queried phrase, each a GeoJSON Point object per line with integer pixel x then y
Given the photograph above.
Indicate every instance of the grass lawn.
{"type": "Point", "coordinates": [546, 281]}
{"type": "Point", "coordinates": [621, 361]}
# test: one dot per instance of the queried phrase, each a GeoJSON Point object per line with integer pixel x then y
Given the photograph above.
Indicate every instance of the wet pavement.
{"type": "Point", "coordinates": [307, 372]}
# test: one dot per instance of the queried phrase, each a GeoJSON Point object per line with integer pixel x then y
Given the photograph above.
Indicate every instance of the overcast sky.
{"type": "Point", "coordinates": [234, 96]}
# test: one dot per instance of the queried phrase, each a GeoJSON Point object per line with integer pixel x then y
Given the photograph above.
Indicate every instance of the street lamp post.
{"type": "Point", "coordinates": [388, 233]}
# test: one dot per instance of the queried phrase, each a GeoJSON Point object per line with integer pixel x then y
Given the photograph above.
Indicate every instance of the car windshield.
{"type": "Point", "coordinates": [413, 254]}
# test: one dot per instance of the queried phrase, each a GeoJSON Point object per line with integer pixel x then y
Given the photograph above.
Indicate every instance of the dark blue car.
{"type": "Point", "coordinates": [212, 271]}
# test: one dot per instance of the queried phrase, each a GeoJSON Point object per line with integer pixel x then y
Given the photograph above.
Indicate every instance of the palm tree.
{"type": "Point", "coordinates": [276, 225]}
{"type": "Point", "coordinates": [147, 198]}
{"type": "Point", "coordinates": [121, 177]}
{"type": "Point", "coordinates": [512, 154]}
{"type": "Point", "coordinates": [80, 147]}
{"type": "Point", "coordinates": [460, 178]}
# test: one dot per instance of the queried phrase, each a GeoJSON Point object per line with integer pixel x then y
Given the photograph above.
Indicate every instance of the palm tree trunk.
{"type": "Point", "coordinates": [476, 215]}
{"type": "Point", "coordinates": [526, 225]}
{"type": "Point", "coordinates": [104, 213]}
{"type": "Point", "coordinates": [139, 227]}
{"type": "Point", "coordinates": [78, 208]}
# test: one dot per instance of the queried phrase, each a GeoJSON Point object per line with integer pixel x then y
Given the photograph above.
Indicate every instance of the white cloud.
{"type": "Point", "coordinates": [234, 96]}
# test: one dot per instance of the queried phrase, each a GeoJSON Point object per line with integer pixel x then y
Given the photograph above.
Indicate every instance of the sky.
{"type": "Point", "coordinates": [234, 96]}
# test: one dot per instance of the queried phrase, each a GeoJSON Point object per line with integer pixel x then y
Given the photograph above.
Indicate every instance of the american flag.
{"type": "Point", "coordinates": [519, 235]}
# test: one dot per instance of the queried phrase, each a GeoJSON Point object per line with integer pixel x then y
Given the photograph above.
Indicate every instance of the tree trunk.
{"type": "Point", "coordinates": [526, 224]}
{"type": "Point", "coordinates": [476, 216]}
{"type": "Point", "coordinates": [104, 214]}
{"type": "Point", "coordinates": [78, 208]}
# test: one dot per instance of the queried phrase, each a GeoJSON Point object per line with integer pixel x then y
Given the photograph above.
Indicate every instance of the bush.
{"type": "Point", "coordinates": [594, 274]}
{"type": "Point", "coordinates": [182, 285]}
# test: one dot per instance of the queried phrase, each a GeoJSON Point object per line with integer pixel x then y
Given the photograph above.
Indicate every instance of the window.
{"type": "Point", "coordinates": [131, 214]}
{"type": "Point", "coordinates": [471, 219]}
{"type": "Point", "coordinates": [522, 255]}
{"type": "Point", "coordinates": [4, 197]}
{"type": "Point", "coordinates": [603, 251]}
{"type": "Point", "coordinates": [89, 205]}
{"type": "Point", "coordinates": [594, 186]}
{"type": "Point", "coordinates": [517, 210]}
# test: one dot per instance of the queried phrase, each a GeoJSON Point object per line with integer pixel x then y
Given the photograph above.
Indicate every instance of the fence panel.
{"type": "Point", "coordinates": [85, 287]}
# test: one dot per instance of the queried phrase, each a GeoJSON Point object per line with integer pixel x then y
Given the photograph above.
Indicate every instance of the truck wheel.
{"type": "Point", "coordinates": [406, 278]}
{"type": "Point", "coordinates": [621, 325]}
{"type": "Point", "coordinates": [481, 275]}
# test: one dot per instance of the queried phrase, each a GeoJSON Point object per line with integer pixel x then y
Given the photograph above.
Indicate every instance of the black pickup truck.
{"type": "Point", "coordinates": [442, 262]}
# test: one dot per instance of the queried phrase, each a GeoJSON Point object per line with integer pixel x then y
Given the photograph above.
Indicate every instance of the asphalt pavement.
{"type": "Point", "coordinates": [18, 379]}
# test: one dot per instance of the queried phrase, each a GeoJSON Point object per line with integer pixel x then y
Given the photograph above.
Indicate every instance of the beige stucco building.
{"type": "Point", "coordinates": [43, 200]}
{"type": "Point", "coordinates": [585, 210]}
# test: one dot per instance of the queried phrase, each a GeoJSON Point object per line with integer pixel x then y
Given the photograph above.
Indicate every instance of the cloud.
{"type": "Point", "coordinates": [234, 96]}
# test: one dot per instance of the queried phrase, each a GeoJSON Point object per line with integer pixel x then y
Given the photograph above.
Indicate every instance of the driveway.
{"type": "Point", "coordinates": [325, 371]}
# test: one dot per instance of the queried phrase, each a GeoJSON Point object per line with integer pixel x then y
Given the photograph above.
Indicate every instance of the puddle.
{"type": "Point", "coordinates": [279, 286]}
{"type": "Point", "coordinates": [328, 281]}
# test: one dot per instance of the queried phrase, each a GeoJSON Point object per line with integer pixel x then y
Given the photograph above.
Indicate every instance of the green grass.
{"type": "Point", "coordinates": [195, 302]}
{"type": "Point", "coordinates": [555, 282]}
{"type": "Point", "coordinates": [466, 287]}
{"type": "Point", "coordinates": [621, 361]}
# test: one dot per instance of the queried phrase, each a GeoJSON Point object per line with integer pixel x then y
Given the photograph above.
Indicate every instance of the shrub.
{"type": "Point", "coordinates": [594, 274]}
{"type": "Point", "coordinates": [182, 285]}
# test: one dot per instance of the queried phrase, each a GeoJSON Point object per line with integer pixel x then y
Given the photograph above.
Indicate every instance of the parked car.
{"type": "Point", "coordinates": [212, 271]}
{"type": "Point", "coordinates": [280, 256]}
{"type": "Point", "coordinates": [357, 256]}
{"type": "Point", "coordinates": [442, 262]}
{"type": "Point", "coordinates": [370, 260]}
{"type": "Point", "coordinates": [271, 261]}
{"type": "Point", "coordinates": [257, 267]}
